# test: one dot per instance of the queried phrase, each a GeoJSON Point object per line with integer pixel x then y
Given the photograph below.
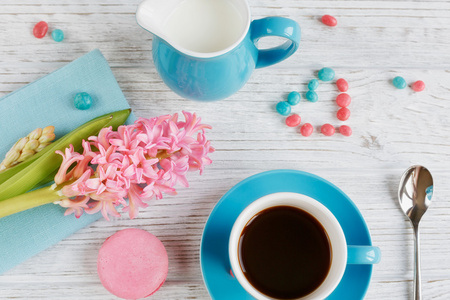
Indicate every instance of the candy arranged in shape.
{"type": "Point", "coordinates": [311, 96]}
{"type": "Point", "coordinates": [58, 35]}
{"type": "Point", "coordinates": [82, 101]}
{"type": "Point", "coordinates": [293, 120]}
{"type": "Point", "coordinates": [345, 130]}
{"type": "Point", "coordinates": [343, 100]}
{"type": "Point", "coordinates": [343, 114]}
{"type": "Point", "coordinates": [294, 98]}
{"type": "Point", "coordinates": [306, 129]}
{"type": "Point", "coordinates": [283, 108]}
{"type": "Point", "coordinates": [327, 129]}
{"type": "Point", "coordinates": [418, 86]}
{"type": "Point", "coordinates": [326, 74]}
{"type": "Point", "coordinates": [399, 82]}
{"type": "Point", "coordinates": [342, 85]}
{"type": "Point", "coordinates": [132, 264]}
{"type": "Point", "coordinates": [313, 84]}
{"type": "Point", "coordinates": [40, 29]}
{"type": "Point", "coordinates": [329, 20]}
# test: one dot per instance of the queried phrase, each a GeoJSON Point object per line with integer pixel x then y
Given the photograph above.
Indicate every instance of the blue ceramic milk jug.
{"type": "Point", "coordinates": [207, 49]}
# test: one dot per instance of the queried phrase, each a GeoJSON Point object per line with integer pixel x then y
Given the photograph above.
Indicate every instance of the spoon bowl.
{"type": "Point", "coordinates": [414, 194]}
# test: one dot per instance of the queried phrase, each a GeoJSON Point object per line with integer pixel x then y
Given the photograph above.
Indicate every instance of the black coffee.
{"type": "Point", "coordinates": [284, 252]}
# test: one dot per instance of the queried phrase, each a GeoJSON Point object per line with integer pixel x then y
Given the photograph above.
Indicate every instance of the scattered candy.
{"type": "Point", "coordinates": [329, 20]}
{"type": "Point", "coordinates": [327, 129]}
{"type": "Point", "coordinates": [82, 101]}
{"type": "Point", "coordinates": [418, 86]}
{"type": "Point", "coordinates": [399, 82]}
{"type": "Point", "coordinates": [313, 84]}
{"type": "Point", "coordinates": [326, 74]}
{"type": "Point", "coordinates": [343, 114]}
{"type": "Point", "coordinates": [311, 96]}
{"type": "Point", "coordinates": [294, 98]}
{"type": "Point", "coordinates": [293, 120]}
{"type": "Point", "coordinates": [343, 100]}
{"type": "Point", "coordinates": [40, 29]}
{"type": "Point", "coordinates": [342, 85]}
{"type": "Point", "coordinates": [345, 130]}
{"type": "Point", "coordinates": [57, 35]}
{"type": "Point", "coordinates": [283, 108]}
{"type": "Point", "coordinates": [306, 129]}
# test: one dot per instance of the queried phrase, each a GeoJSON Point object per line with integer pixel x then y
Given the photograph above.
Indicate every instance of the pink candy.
{"type": "Point", "coordinates": [342, 85]}
{"type": "Point", "coordinates": [343, 114]}
{"type": "Point", "coordinates": [306, 129]}
{"type": "Point", "coordinates": [418, 86]}
{"type": "Point", "coordinates": [329, 20]}
{"type": "Point", "coordinates": [293, 120]}
{"type": "Point", "coordinates": [327, 129]}
{"type": "Point", "coordinates": [345, 130]}
{"type": "Point", "coordinates": [343, 100]}
{"type": "Point", "coordinates": [40, 29]}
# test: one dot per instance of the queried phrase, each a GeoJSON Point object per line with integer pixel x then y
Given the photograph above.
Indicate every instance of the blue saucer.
{"type": "Point", "coordinates": [214, 246]}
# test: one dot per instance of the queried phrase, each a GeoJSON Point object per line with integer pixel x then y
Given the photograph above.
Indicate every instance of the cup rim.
{"type": "Point", "coordinates": [315, 208]}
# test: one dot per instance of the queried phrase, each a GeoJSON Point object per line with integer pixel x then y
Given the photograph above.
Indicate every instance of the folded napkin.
{"type": "Point", "coordinates": [49, 101]}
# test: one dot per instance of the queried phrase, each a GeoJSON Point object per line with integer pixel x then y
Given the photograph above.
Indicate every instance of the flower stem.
{"type": "Point", "coordinates": [29, 200]}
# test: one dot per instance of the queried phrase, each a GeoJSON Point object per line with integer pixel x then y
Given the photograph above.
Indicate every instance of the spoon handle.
{"type": "Point", "coordinates": [417, 277]}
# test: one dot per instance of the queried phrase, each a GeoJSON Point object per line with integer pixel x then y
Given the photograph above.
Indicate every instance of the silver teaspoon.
{"type": "Point", "coordinates": [414, 195]}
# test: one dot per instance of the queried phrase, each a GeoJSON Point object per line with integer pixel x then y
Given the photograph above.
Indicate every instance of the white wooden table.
{"type": "Point", "coordinates": [392, 129]}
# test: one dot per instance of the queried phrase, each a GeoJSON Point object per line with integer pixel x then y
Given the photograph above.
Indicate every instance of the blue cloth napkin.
{"type": "Point", "coordinates": [49, 101]}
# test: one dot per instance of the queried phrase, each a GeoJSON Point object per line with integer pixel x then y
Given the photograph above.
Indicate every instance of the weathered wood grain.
{"type": "Point", "coordinates": [392, 129]}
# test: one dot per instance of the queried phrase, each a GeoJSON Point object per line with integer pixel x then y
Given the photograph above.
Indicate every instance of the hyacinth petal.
{"type": "Point", "coordinates": [139, 162]}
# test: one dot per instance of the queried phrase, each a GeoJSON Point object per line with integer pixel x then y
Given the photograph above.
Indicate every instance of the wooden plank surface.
{"type": "Point", "coordinates": [392, 129]}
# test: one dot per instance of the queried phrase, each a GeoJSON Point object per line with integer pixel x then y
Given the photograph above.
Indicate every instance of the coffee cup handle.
{"type": "Point", "coordinates": [275, 26]}
{"type": "Point", "coordinates": [363, 255]}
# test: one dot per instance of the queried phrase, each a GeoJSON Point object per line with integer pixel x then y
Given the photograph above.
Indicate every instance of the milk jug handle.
{"type": "Point", "coordinates": [275, 26]}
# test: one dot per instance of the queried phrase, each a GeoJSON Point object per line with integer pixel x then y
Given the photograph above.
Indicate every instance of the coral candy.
{"type": "Point", "coordinates": [343, 114]}
{"type": "Point", "coordinates": [293, 120]}
{"type": "Point", "coordinates": [132, 264]}
{"type": "Point", "coordinates": [327, 129]}
{"type": "Point", "coordinates": [329, 20]}
{"type": "Point", "coordinates": [418, 86]}
{"type": "Point", "coordinates": [306, 129]}
{"type": "Point", "coordinates": [345, 130]}
{"type": "Point", "coordinates": [343, 100]}
{"type": "Point", "coordinates": [40, 29]}
{"type": "Point", "coordinates": [342, 85]}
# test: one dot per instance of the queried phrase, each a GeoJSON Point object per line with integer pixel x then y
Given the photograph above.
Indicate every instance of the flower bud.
{"type": "Point", "coordinates": [31, 145]}
{"type": "Point", "coordinates": [35, 134]}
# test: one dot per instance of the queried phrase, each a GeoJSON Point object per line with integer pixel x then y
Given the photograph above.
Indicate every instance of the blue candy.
{"type": "Point", "coordinates": [283, 108]}
{"type": "Point", "coordinates": [326, 74]}
{"type": "Point", "coordinates": [82, 101]}
{"type": "Point", "coordinates": [57, 35]}
{"type": "Point", "coordinates": [293, 98]}
{"type": "Point", "coordinates": [311, 96]}
{"type": "Point", "coordinates": [313, 84]}
{"type": "Point", "coordinates": [399, 82]}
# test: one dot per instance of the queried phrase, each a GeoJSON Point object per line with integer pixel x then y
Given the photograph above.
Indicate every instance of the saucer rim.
{"type": "Point", "coordinates": [357, 212]}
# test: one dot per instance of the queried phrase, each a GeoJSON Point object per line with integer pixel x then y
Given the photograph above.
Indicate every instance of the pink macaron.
{"type": "Point", "coordinates": [132, 264]}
